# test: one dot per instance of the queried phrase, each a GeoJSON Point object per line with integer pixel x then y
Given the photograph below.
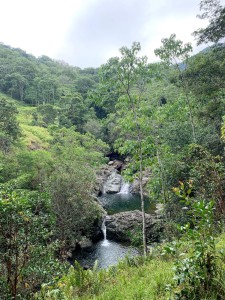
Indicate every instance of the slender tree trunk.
{"type": "Point", "coordinates": [162, 176]}
{"type": "Point", "coordinates": [190, 115]}
{"type": "Point", "coordinates": [185, 88]}
{"type": "Point", "coordinates": [142, 207]}
{"type": "Point", "coordinates": [21, 89]}
{"type": "Point", "coordinates": [140, 175]}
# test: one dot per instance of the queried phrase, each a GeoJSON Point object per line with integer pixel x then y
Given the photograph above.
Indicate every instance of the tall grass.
{"type": "Point", "coordinates": [137, 278]}
{"type": "Point", "coordinates": [141, 278]}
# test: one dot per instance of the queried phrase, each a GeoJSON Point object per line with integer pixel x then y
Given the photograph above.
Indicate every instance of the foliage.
{"type": "Point", "coordinates": [9, 128]}
{"type": "Point", "coordinates": [26, 248]}
{"type": "Point", "coordinates": [205, 78]}
{"type": "Point", "coordinates": [176, 54]}
{"type": "Point", "coordinates": [129, 75]}
{"type": "Point", "coordinates": [71, 185]}
{"type": "Point", "coordinates": [207, 171]}
{"type": "Point", "coordinates": [43, 81]}
{"type": "Point", "coordinates": [164, 117]}
{"type": "Point", "coordinates": [135, 236]}
{"type": "Point", "coordinates": [137, 278]}
{"type": "Point", "coordinates": [215, 13]}
{"type": "Point", "coordinates": [197, 273]}
{"type": "Point", "coordinates": [47, 115]}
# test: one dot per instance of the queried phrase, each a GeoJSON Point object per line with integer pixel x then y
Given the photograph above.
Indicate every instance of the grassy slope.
{"type": "Point", "coordinates": [143, 282]}
{"type": "Point", "coordinates": [34, 137]}
{"type": "Point", "coordinates": [145, 279]}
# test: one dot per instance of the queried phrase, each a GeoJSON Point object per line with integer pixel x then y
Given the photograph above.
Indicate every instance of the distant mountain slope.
{"type": "Point", "coordinates": [40, 80]}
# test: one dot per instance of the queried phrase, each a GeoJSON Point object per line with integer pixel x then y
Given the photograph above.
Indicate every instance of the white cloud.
{"type": "Point", "coordinates": [39, 27]}
{"type": "Point", "coordinates": [87, 32]}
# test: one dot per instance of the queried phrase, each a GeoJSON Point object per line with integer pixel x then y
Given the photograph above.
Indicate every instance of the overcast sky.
{"type": "Point", "coordinates": [86, 33]}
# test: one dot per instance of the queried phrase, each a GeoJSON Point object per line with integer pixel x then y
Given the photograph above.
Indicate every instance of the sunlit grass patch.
{"type": "Point", "coordinates": [36, 137]}
{"type": "Point", "coordinates": [25, 114]}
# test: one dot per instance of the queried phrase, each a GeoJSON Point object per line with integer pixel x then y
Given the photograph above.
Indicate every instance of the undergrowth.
{"type": "Point", "coordinates": [136, 278]}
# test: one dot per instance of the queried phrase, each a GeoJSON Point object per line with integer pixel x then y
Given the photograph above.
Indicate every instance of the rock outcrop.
{"type": "Point", "coordinates": [113, 183]}
{"type": "Point", "coordinates": [106, 178]}
{"type": "Point", "coordinates": [109, 179]}
{"type": "Point", "coordinates": [123, 226]}
{"type": "Point", "coordinates": [96, 233]}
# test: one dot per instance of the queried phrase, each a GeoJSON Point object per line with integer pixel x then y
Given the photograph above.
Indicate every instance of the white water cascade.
{"type": "Point", "coordinates": [125, 188]}
{"type": "Point", "coordinates": [105, 241]}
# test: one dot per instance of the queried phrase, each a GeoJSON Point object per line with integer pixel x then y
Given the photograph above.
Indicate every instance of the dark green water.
{"type": "Point", "coordinates": [106, 252]}
{"type": "Point", "coordinates": [115, 203]}
{"type": "Point", "coordinates": [109, 252]}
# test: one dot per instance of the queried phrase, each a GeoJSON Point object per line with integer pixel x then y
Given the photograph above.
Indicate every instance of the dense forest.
{"type": "Point", "coordinates": [59, 125]}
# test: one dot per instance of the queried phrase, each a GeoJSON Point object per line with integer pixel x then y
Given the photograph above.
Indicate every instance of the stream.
{"type": "Point", "coordinates": [109, 252]}
{"type": "Point", "coordinates": [115, 203]}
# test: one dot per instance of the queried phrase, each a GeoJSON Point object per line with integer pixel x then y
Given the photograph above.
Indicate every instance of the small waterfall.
{"type": "Point", "coordinates": [103, 188]}
{"type": "Point", "coordinates": [105, 242]}
{"type": "Point", "coordinates": [125, 188]}
{"type": "Point", "coordinates": [104, 229]}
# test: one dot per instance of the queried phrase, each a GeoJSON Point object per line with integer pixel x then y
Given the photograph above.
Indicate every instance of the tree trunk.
{"type": "Point", "coordinates": [143, 208]}
{"type": "Point", "coordinates": [140, 175]}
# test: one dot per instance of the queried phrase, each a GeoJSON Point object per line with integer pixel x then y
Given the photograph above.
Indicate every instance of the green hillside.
{"type": "Point", "coordinates": [62, 131]}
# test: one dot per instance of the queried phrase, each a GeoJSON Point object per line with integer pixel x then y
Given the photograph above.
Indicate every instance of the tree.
{"type": "Point", "coordinates": [208, 173]}
{"type": "Point", "coordinates": [26, 249]}
{"type": "Point", "coordinates": [174, 53]}
{"type": "Point", "coordinates": [129, 75]}
{"type": "Point", "coordinates": [74, 110]}
{"type": "Point", "coordinates": [206, 78]}
{"type": "Point", "coordinates": [71, 186]}
{"type": "Point", "coordinates": [47, 114]}
{"type": "Point", "coordinates": [215, 13]}
{"type": "Point", "coordinates": [16, 84]}
{"type": "Point", "coordinates": [9, 128]}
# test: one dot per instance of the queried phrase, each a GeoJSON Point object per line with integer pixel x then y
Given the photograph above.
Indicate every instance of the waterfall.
{"type": "Point", "coordinates": [104, 229]}
{"type": "Point", "coordinates": [105, 242]}
{"type": "Point", "coordinates": [125, 188]}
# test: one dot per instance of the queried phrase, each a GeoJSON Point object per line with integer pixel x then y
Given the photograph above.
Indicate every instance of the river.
{"type": "Point", "coordinates": [109, 252]}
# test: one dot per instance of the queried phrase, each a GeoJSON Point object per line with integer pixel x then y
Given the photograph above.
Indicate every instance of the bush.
{"type": "Point", "coordinates": [198, 273]}
{"type": "Point", "coordinates": [26, 248]}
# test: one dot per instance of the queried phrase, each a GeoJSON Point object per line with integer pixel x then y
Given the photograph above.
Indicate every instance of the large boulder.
{"type": "Point", "coordinates": [113, 183]}
{"type": "Point", "coordinates": [103, 176]}
{"type": "Point", "coordinates": [123, 226]}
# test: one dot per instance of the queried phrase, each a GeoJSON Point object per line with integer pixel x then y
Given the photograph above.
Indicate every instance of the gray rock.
{"type": "Point", "coordinates": [103, 175]}
{"type": "Point", "coordinates": [113, 183]}
{"type": "Point", "coordinates": [121, 226]}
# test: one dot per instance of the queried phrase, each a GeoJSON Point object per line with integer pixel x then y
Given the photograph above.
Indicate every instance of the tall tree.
{"type": "Point", "coordinates": [174, 53]}
{"type": "Point", "coordinates": [215, 13]}
{"type": "Point", "coordinates": [71, 185]}
{"type": "Point", "coordinates": [129, 75]}
{"type": "Point", "coordinates": [9, 127]}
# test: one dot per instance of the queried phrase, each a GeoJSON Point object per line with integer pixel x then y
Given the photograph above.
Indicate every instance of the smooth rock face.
{"type": "Point", "coordinates": [103, 175]}
{"type": "Point", "coordinates": [113, 183]}
{"type": "Point", "coordinates": [121, 226]}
